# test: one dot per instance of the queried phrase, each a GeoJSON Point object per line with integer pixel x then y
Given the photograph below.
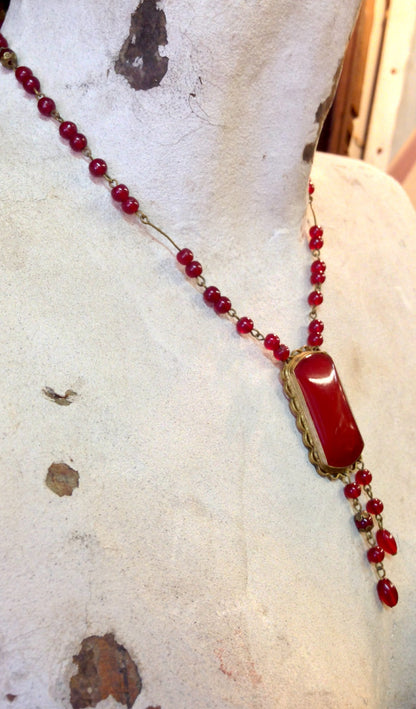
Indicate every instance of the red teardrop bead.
{"type": "Point", "coordinates": [318, 277]}
{"type": "Point", "coordinates": [97, 167]}
{"type": "Point", "coordinates": [375, 555]}
{"type": "Point", "coordinates": [316, 326]}
{"type": "Point", "coordinates": [363, 477]}
{"type": "Point", "coordinates": [352, 491]}
{"type": "Point", "coordinates": [375, 506]}
{"type": "Point", "coordinates": [31, 84]}
{"type": "Point", "coordinates": [387, 593]}
{"type": "Point", "coordinates": [67, 130]}
{"type": "Point", "coordinates": [78, 142]}
{"type": "Point", "coordinates": [120, 193]}
{"type": "Point", "coordinates": [318, 265]}
{"type": "Point", "coordinates": [316, 243]}
{"type": "Point", "coordinates": [130, 205]}
{"type": "Point", "coordinates": [386, 540]}
{"type": "Point", "coordinates": [315, 339]}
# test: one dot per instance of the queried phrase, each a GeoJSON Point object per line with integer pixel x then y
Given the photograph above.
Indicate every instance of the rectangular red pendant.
{"type": "Point", "coordinates": [323, 414]}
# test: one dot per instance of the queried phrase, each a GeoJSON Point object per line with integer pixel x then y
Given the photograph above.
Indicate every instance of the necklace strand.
{"type": "Point", "coordinates": [383, 541]}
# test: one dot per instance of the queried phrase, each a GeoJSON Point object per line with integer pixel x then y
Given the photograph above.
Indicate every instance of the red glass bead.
{"type": "Point", "coordinates": [318, 277]}
{"type": "Point", "coordinates": [67, 130]}
{"type": "Point", "coordinates": [244, 325]}
{"type": "Point", "coordinates": [363, 521]}
{"type": "Point", "coordinates": [315, 339]}
{"type": "Point", "coordinates": [97, 167]}
{"type": "Point", "coordinates": [46, 106]}
{"type": "Point", "coordinates": [271, 342]}
{"type": "Point", "coordinates": [316, 326]}
{"type": "Point", "coordinates": [3, 41]}
{"type": "Point", "coordinates": [184, 256]}
{"type": "Point", "coordinates": [318, 265]}
{"type": "Point", "coordinates": [387, 593]}
{"type": "Point", "coordinates": [316, 243]}
{"type": "Point", "coordinates": [316, 231]}
{"type": "Point", "coordinates": [211, 295]}
{"type": "Point", "coordinates": [193, 269]}
{"type": "Point", "coordinates": [386, 540]}
{"type": "Point", "coordinates": [223, 305]}
{"type": "Point", "coordinates": [315, 298]}
{"type": "Point", "coordinates": [78, 142]}
{"type": "Point", "coordinates": [311, 188]}
{"type": "Point", "coordinates": [22, 73]}
{"type": "Point", "coordinates": [31, 84]}
{"type": "Point", "coordinates": [375, 555]}
{"type": "Point", "coordinates": [352, 491]}
{"type": "Point", "coordinates": [130, 205]}
{"type": "Point", "coordinates": [282, 353]}
{"type": "Point", "coordinates": [363, 477]}
{"type": "Point", "coordinates": [120, 193]}
{"type": "Point", "coordinates": [375, 506]}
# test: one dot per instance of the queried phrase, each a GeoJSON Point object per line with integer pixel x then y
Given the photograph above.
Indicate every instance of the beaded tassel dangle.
{"type": "Point", "coordinates": [309, 377]}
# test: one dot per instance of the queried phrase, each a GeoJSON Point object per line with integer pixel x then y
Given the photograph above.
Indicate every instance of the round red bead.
{"type": "Point", "coordinates": [3, 41]}
{"type": "Point", "coordinates": [67, 129]}
{"type": "Point", "coordinates": [316, 243]}
{"type": "Point", "coordinates": [120, 193]}
{"type": "Point", "coordinates": [387, 593]}
{"type": "Point", "coordinates": [97, 167]}
{"type": "Point", "coordinates": [352, 491]}
{"type": "Point", "coordinates": [184, 256]}
{"type": "Point", "coordinates": [130, 205]}
{"type": "Point", "coordinates": [315, 298]}
{"type": "Point", "coordinates": [363, 521]}
{"type": "Point", "coordinates": [375, 506]}
{"type": "Point", "coordinates": [78, 142]}
{"type": "Point", "coordinates": [244, 325]}
{"type": "Point", "coordinates": [46, 106]}
{"type": "Point", "coordinates": [363, 477]}
{"type": "Point", "coordinates": [386, 540]}
{"type": "Point", "coordinates": [318, 265]}
{"type": "Point", "coordinates": [223, 305]}
{"type": "Point", "coordinates": [31, 84]}
{"type": "Point", "coordinates": [22, 73]}
{"type": "Point", "coordinates": [193, 269]}
{"type": "Point", "coordinates": [375, 555]}
{"type": "Point", "coordinates": [282, 353]}
{"type": "Point", "coordinates": [318, 277]}
{"type": "Point", "coordinates": [211, 295]}
{"type": "Point", "coordinates": [316, 326]}
{"type": "Point", "coordinates": [271, 342]}
{"type": "Point", "coordinates": [311, 188]}
{"type": "Point", "coordinates": [315, 231]}
{"type": "Point", "coordinates": [315, 339]}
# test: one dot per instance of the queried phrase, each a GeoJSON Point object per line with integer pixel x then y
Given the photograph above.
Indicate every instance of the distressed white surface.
{"type": "Point", "coordinates": [200, 535]}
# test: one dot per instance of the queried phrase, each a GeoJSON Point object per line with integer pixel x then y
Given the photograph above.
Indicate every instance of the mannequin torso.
{"type": "Point", "coordinates": [200, 534]}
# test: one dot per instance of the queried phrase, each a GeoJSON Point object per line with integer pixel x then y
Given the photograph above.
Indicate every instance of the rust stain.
{"type": "Point", "coordinates": [62, 479]}
{"type": "Point", "coordinates": [105, 669]}
{"type": "Point", "coordinates": [62, 400]}
{"type": "Point", "coordinates": [219, 652]}
{"type": "Point", "coordinates": [139, 60]}
{"type": "Point", "coordinates": [11, 697]}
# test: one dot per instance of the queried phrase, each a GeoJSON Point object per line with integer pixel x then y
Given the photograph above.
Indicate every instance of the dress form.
{"type": "Point", "coordinates": [200, 535]}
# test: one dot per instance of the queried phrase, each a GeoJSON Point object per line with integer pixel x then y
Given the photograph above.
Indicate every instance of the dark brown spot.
{"type": "Point", "coordinates": [62, 479]}
{"type": "Point", "coordinates": [11, 697]}
{"type": "Point", "coordinates": [105, 669]}
{"type": "Point", "coordinates": [139, 59]}
{"type": "Point", "coordinates": [63, 400]}
{"type": "Point", "coordinates": [308, 152]}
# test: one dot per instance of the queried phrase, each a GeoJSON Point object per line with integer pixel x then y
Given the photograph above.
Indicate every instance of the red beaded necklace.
{"type": "Point", "coordinates": [309, 376]}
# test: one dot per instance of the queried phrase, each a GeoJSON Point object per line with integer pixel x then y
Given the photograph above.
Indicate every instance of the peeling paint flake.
{"type": "Point", "coordinates": [62, 479]}
{"type": "Point", "coordinates": [105, 669]}
{"type": "Point", "coordinates": [140, 61]}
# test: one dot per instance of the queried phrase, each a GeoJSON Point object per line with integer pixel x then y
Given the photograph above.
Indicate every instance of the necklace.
{"type": "Point", "coordinates": [309, 377]}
